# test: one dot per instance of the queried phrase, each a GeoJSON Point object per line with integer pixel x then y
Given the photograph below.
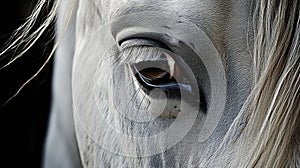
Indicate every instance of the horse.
{"type": "Point", "coordinates": [175, 84]}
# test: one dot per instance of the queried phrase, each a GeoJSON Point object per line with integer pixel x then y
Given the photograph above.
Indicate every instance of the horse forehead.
{"type": "Point", "coordinates": [212, 16]}
{"type": "Point", "coordinates": [194, 10]}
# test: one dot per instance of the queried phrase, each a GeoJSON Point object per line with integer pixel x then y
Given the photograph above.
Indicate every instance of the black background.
{"type": "Point", "coordinates": [24, 118]}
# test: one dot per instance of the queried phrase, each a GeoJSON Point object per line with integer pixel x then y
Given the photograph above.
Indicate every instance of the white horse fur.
{"type": "Point", "coordinates": [256, 44]}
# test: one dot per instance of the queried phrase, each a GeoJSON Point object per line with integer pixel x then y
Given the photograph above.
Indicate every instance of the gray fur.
{"type": "Point", "coordinates": [61, 145]}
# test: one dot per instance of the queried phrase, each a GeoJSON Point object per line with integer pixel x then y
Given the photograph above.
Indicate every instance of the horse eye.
{"type": "Point", "coordinates": [158, 67]}
{"type": "Point", "coordinates": [159, 75]}
{"type": "Point", "coordinates": [167, 74]}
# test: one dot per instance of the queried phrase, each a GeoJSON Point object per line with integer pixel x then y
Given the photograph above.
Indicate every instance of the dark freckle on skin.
{"type": "Point", "coordinates": [180, 42]}
{"type": "Point", "coordinates": [167, 27]}
{"type": "Point", "coordinates": [166, 35]}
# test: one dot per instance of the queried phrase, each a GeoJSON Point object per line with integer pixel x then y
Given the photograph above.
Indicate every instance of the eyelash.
{"type": "Point", "coordinates": [144, 41]}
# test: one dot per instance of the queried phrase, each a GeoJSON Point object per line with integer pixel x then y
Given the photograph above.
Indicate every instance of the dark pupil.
{"type": "Point", "coordinates": [156, 76]}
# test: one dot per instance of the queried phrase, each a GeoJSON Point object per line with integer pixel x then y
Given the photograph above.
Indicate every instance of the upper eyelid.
{"type": "Point", "coordinates": [142, 41]}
